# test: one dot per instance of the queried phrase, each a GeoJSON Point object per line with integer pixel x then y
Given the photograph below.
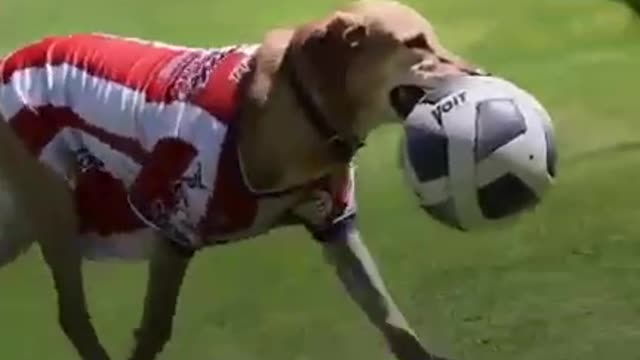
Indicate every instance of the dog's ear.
{"type": "Point", "coordinates": [348, 28]}
{"type": "Point", "coordinates": [328, 46]}
{"type": "Point", "coordinates": [341, 31]}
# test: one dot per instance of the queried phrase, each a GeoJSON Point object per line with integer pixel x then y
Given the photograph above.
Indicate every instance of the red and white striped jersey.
{"type": "Point", "coordinates": [144, 132]}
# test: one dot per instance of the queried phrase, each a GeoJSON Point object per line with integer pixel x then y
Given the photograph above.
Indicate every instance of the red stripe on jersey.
{"type": "Point", "coordinates": [168, 161]}
{"type": "Point", "coordinates": [32, 55]}
{"type": "Point", "coordinates": [130, 63]}
{"type": "Point", "coordinates": [102, 204]}
{"type": "Point", "coordinates": [37, 127]}
{"type": "Point", "coordinates": [232, 207]}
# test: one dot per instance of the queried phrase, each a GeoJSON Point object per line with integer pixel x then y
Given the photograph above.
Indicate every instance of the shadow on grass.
{"type": "Point", "coordinates": [633, 4]}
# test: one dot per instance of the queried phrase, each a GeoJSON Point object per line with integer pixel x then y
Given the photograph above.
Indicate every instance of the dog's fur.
{"type": "Point", "coordinates": [349, 62]}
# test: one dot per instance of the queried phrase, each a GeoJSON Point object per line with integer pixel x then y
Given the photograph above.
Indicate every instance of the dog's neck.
{"type": "Point", "coordinates": [279, 147]}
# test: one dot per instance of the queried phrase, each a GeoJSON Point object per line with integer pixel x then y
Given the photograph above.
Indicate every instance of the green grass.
{"type": "Point", "coordinates": [563, 284]}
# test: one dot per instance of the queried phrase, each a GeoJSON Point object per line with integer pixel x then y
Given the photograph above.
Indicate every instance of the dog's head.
{"type": "Point", "coordinates": [352, 60]}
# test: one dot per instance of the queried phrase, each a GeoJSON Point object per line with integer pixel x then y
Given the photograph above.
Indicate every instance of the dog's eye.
{"type": "Point", "coordinates": [418, 42]}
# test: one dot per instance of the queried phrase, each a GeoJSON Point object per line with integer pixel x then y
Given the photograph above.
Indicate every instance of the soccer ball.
{"type": "Point", "coordinates": [477, 149]}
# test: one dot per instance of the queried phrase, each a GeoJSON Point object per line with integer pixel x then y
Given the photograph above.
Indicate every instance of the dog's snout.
{"type": "Point", "coordinates": [404, 98]}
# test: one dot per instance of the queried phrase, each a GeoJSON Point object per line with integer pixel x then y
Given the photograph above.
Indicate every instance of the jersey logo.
{"type": "Point", "coordinates": [191, 71]}
{"type": "Point", "coordinates": [86, 161]}
{"type": "Point", "coordinates": [195, 181]}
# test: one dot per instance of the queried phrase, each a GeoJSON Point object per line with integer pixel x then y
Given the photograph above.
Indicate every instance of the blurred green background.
{"type": "Point", "coordinates": [563, 284]}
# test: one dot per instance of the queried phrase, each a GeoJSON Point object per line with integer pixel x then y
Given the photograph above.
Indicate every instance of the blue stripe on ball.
{"type": "Point", "coordinates": [427, 150]}
{"type": "Point", "coordinates": [505, 196]}
{"type": "Point", "coordinates": [498, 122]}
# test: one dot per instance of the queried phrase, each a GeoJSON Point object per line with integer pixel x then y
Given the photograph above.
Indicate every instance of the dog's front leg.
{"type": "Point", "coordinates": [360, 276]}
{"type": "Point", "coordinates": [166, 272]}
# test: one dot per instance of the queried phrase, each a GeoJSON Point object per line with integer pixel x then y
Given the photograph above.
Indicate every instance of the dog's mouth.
{"type": "Point", "coordinates": [404, 98]}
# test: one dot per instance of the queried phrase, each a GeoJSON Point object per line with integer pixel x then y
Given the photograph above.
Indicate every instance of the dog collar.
{"type": "Point", "coordinates": [343, 147]}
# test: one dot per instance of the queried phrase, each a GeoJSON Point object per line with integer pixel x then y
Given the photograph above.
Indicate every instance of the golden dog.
{"type": "Point", "coordinates": [111, 147]}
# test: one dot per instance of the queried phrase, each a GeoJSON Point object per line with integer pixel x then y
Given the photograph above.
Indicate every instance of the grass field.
{"type": "Point", "coordinates": [563, 284]}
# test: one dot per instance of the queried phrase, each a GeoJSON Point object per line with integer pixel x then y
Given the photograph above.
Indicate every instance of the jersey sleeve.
{"type": "Point", "coordinates": [329, 211]}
